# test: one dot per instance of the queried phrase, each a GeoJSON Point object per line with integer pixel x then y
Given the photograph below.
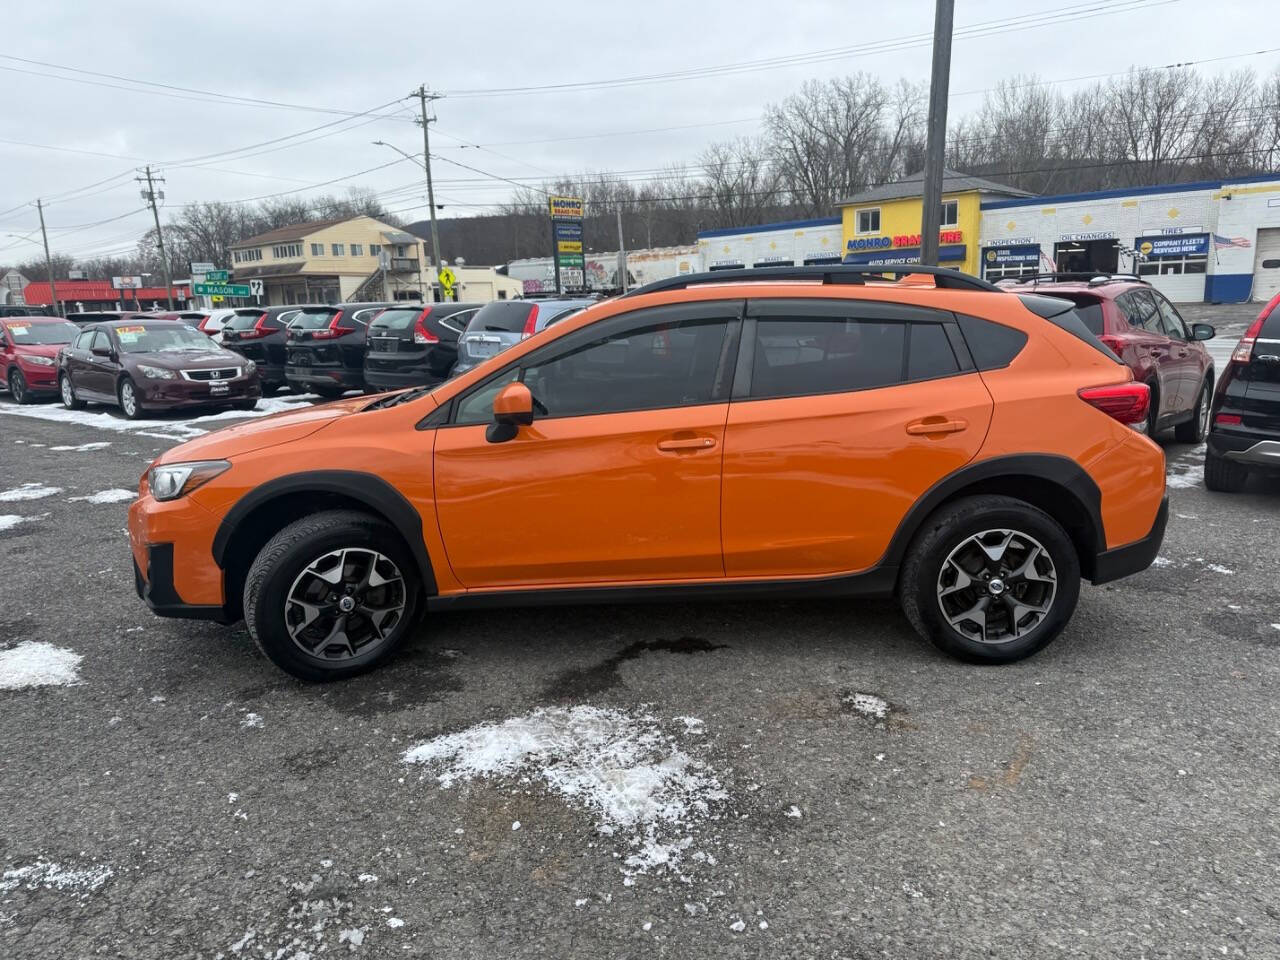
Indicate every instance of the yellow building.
{"type": "Point", "coordinates": [882, 225]}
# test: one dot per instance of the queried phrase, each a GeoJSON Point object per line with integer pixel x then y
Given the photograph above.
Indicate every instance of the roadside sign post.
{"type": "Point", "coordinates": [447, 279]}
{"type": "Point", "coordinates": [566, 238]}
{"type": "Point", "coordinates": [255, 287]}
{"type": "Point", "coordinates": [217, 276]}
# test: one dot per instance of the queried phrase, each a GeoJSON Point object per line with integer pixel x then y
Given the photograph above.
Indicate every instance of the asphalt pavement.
{"type": "Point", "coordinates": [830, 785]}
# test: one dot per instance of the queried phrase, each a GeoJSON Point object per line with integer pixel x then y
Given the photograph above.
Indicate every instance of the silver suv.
{"type": "Point", "coordinates": [500, 325]}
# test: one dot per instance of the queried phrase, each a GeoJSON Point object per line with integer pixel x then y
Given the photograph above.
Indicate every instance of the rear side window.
{"type": "Point", "coordinates": [457, 322]}
{"type": "Point", "coordinates": [929, 353]}
{"type": "Point", "coordinates": [992, 345]}
{"type": "Point", "coordinates": [501, 317]}
{"type": "Point", "coordinates": [398, 318]}
{"type": "Point", "coordinates": [243, 320]}
{"type": "Point", "coordinates": [1140, 311]}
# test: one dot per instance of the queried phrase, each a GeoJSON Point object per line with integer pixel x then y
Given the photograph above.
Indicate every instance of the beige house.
{"type": "Point", "coordinates": [353, 258]}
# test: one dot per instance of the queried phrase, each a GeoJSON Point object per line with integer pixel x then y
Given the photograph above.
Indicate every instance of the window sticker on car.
{"type": "Point", "coordinates": [19, 329]}
{"type": "Point", "coordinates": [134, 331]}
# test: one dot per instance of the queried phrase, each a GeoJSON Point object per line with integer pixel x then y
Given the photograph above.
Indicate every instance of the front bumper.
{"type": "Point", "coordinates": [172, 550]}
{"type": "Point", "coordinates": [1132, 557]}
{"type": "Point", "coordinates": [40, 379]}
{"type": "Point", "coordinates": [157, 590]}
{"type": "Point", "coordinates": [174, 394]}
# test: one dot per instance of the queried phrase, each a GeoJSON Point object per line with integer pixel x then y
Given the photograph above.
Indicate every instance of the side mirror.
{"type": "Point", "coordinates": [101, 351]}
{"type": "Point", "coordinates": [1203, 331]}
{"type": "Point", "coordinates": [512, 409]}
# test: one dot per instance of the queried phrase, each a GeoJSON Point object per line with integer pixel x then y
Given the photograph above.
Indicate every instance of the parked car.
{"type": "Point", "coordinates": [1244, 435]}
{"type": "Point", "coordinates": [18, 310]}
{"type": "Point", "coordinates": [86, 317]}
{"type": "Point", "coordinates": [258, 333]}
{"type": "Point", "coordinates": [325, 347]}
{"type": "Point", "coordinates": [1145, 331]}
{"type": "Point", "coordinates": [192, 318]}
{"type": "Point", "coordinates": [28, 354]}
{"type": "Point", "coordinates": [213, 322]}
{"type": "Point", "coordinates": [500, 325]}
{"type": "Point", "coordinates": [416, 345]}
{"type": "Point", "coordinates": [707, 435]}
{"type": "Point", "coordinates": [148, 365]}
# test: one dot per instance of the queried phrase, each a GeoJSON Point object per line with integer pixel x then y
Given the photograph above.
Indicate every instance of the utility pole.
{"type": "Point", "coordinates": [622, 255]}
{"type": "Point", "coordinates": [936, 145]}
{"type": "Point", "coordinates": [48, 262]}
{"type": "Point", "coordinates": [149, 195]}
{"type": "Point", "coordinates": [423, 96]}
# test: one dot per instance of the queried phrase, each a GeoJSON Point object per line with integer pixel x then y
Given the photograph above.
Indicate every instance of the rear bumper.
{"type": "Point", "coordinates": [1132, 557]}
{"type": "Point", "coordinates": [398, 379]}
{"type": "Point", "coordinates": [157, 590]}
{"type": "Point", "coordinates": [1245, 449]}
{"type": "Point", "coordinates": [332, 377]}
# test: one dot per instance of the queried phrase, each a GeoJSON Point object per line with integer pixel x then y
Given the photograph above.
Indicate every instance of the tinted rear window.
{"type": "Point", "coordinates": [503, 317]}
{"type": "Point", "coordinates": [993, 345]}
{"type": "Point", "coordinates": [313, 319]}
{"type": "Point", "coordinates": [1088, 309]}
{"type": "Point", "coordinates": [1271, 326]}
{"type": "Point", "coordinates": [244, 321]}
{"type": "Point", "coordinates": [398, 319]}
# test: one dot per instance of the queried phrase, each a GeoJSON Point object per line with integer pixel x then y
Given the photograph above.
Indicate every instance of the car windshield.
{"type": "Point", "coordinates": [244, 321]}
{"type": "Point", "coordinates": [501, 317]}
{"type": "Point", "coordinates": [141, 338]}
{"type": "Point", "coordinates": [45, 333]}
{"type": "Point", "coordinates": [397, 318]}
{"type": "Point", "coordinates": [313, 319]}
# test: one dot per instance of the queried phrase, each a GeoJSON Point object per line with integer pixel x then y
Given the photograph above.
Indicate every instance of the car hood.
{"type": "Point", "coordinates": [268, 431]}
{"type": "Point", "coordinates": [184, 359]}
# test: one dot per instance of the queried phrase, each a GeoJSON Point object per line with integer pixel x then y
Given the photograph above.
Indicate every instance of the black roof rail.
{"type": "Point", "coordinates": [944, 277]}
{"type": "Point", "coordinates": [1096, 278]}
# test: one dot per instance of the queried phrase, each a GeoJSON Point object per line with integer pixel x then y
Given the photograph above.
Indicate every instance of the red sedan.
{"type": "Point", "coordinates": [28, 355]}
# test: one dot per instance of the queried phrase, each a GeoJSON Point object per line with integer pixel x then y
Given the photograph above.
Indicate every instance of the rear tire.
{"type": "Point", "coordinates": [18, 387]}
{"type": "Point", "coordinates": [284, 572]}
{"type": "Point", "coordinates": [1021, 590]}
{"type": "Point", "coordinates": [68, 394]}
{"type": "Point", "coordinates": [1197, 428]}
{"type": "Point", "coordinates": [1153, 411]}
{"type": "Point", "coordinates": [1224, 476]}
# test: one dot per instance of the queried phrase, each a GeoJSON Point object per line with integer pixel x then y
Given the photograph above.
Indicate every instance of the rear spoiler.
{"type": "Point", "coordinates": [1062, 314]}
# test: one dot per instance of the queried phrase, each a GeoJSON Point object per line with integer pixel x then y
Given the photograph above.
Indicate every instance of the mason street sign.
{"type": "Point", "coordinates": [222, 289]}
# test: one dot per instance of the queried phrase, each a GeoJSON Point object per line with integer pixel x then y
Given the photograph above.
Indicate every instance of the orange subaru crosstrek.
{"type": "Point", "coordinates": [776, 432]}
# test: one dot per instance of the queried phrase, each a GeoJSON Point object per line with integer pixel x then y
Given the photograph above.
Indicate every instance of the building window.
{"type": "Point", "coordinates": [357, 249]}
{"type": "Point", "coordinates": [400, 249]}
{"type": "Point", "coordinates": [246, 256]}
{"type": "Point", "coordinates": [950, 213]}
{"type": "Point", "coordinates": [317, 249]}
{"type": "Point", "coordinates": [286, 251]}
{"type": "Point", "coordinates": [375, 249]}
{"type": "Point", "coordinates": [338, 249]}
{"type": "Point", "coordinates": [235, 255]}
{"type": "Point", "coordinates": [869, 220]}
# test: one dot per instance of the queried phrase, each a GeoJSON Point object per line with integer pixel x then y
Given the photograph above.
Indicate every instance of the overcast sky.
{"type": "Point", "coordinates": [355, 57]}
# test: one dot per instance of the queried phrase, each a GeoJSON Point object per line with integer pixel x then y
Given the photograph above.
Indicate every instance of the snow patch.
{"type": "Point", "coordinates": [35, 664]}
{"type": "Point", "coordinates": [54, 876]}
{"type": "Point", "coordinates": [28, 491]}
{"type": "Point", "coordinates": [794, 813]}
{"type": "Point", "coordinates": [113, 495]}
{"type": "Point", "coordinates": [868, 704]}
{"type": "Point", "coordinates": [394, 922]}
{"type": "Point", "coordinates": [10, 520]}
{"type": "Point", "coordinates": [84, 447]}
{"type": "Point", "coordinates": [621, 767]}
{"type": "Point", "coordinates": [101, 420]}
{"type": "Point", "coordinates": [1218, 568]}
{"type": "Point", "coordinates": [251, 721]}
{"type": "Point", "coordinates": [1161, 562]}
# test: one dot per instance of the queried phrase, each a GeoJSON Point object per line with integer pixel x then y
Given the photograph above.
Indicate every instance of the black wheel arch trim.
{"type": "Point", "coordinates": [1060, 471]}
{"type": "Point", "coordinates": [367, 488]}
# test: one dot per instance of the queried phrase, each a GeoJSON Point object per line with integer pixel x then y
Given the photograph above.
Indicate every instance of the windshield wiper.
{"type": "Point", "coordinates": [399, 398]}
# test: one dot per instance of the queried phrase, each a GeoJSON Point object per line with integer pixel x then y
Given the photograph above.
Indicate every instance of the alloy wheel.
{"type": "Point", "coordinates": [1205, 401]}
{"type": "Point", "coordinates": [17, 386]}
{"type": "Point", "coordinates": [68, 395]}
{"type": "Point", "coordinates": [345, 603]}
{"type": "Point", "coordinates": [128, 399]}
{"type": "Point", "coordinates": [997, 586]}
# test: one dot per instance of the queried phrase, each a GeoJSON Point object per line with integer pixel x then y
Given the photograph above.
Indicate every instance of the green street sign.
{"type": "Point", "coordinates": [217, 276]}
{"type": "Point", "coordinates": [222, 289]}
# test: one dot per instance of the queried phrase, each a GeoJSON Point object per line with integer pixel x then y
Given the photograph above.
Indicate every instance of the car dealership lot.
{"type": "Point", "coordinates": [833, 786]}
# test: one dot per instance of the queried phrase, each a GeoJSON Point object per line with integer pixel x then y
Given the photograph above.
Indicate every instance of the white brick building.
{"type": "Point", "coordinates": [790, 243]}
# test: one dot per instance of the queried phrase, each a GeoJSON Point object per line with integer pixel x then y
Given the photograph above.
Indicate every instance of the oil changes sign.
{"type": "Point", "coordinates": [566, 232]}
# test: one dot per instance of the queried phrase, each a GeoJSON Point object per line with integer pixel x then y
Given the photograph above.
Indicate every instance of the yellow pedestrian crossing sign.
{"type": "Point", "coordinates": [447, 279]}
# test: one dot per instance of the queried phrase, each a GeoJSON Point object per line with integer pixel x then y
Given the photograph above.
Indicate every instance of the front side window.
{"type": "Point", "coordinates": [84, 341]}
{"type": "Point", "coordinates": [1173, 323]}
{"type": "Point", "coordinates": [869, 221]}
{"type": "Point", "coordinates": [477, 407]}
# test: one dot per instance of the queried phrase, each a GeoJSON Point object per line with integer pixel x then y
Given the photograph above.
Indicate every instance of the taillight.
{"type": "Point", "coordinates": [1126, 402]}
{"type": "Point", "coordinates": [259, 329]}
{"type": "Point", "coordinates": [1228, 420]}
{"type": "Point", "coordinates": [1244, 349]}
{"type": "Point", "coordinates": [204, 325]}
{"type": "Point", "coordinates": [335, 329]}
{"type": "Point", "coordinates": [1114, 344]}
{"type": "Point", "coordinates": [531, 322]}
{"type": "Point", "coordinates": [420, 332]}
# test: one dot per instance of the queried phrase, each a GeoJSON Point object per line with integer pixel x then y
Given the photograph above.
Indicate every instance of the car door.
{"type": "Point", "coordinates": [618, 477]}
{"type": "Point", "coordinates": [844, 413]}
{"type": "Point", "coordinates": [1155, 352]}
{"type": "Point", "coordinates": [1188, 357]}
{"type": "Point", "coordinates": [96, 379]}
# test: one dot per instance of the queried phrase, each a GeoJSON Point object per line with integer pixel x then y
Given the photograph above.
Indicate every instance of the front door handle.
{"type": "Point", "coordinates": [686, 443]}
{"type": "Point", "coordinates": [930, 425]}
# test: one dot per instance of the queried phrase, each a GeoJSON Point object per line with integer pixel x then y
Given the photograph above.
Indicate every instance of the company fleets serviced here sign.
{"type": "Point", "coordinates": [1175, 246]}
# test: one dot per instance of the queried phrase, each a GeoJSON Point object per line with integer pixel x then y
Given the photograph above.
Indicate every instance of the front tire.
{"type": "Point", "coordinates": [1153, 411]}
{"type": "Point", "coordinates": [68, 394]}
{"type": "Point", "coordinates": [332, 595]}
{"type": "Point", "coordinates": [1224, 476]}
{"type": "Point", "coordinates": [130, 405]}
{"type": "Point", "coordinates": [990, 579]}
{"type": "Point", "coordinates": [18, 387]}
{"type": "Point", "coordinates": [1197, 428]}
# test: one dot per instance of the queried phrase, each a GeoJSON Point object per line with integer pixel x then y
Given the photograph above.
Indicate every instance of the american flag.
{"type": "Point", "coordinates": [1220, 241]}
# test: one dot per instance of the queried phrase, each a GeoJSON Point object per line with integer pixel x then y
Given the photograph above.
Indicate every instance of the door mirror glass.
{"type": "Point", "coordinates": [512, 409]}
{"type": "Point", "coordinates": [101, 351]}
{"type": "Point", "coordinates": [1203, 331]}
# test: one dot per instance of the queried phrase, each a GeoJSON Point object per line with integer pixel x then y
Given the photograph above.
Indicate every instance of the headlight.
{"type": "Point", "coordinates": [249, 367]}
{"type": "Point", "coordinates": [156, 373]}
{"type": "Point", "coordinates": [38, 361]}
{"type": "Point", "coordinates": [173, 480]}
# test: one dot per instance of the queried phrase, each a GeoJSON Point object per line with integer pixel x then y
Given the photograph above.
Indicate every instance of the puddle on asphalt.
{"type": "Point", "coordinates": [581, 682]}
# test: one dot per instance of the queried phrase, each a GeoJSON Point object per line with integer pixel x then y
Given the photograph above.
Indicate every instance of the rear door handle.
{"type": "Point", "coordinates": [935, 425]}
{"type": "Point", "coordinates": [686, 443]}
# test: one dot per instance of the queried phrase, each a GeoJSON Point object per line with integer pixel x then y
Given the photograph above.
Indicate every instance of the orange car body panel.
{"type": "Point", "coordinates": [758, 489]}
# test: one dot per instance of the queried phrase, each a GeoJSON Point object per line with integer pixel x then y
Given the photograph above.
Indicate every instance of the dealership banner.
{"type": "Point", "coordinates": [1176, 246]}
